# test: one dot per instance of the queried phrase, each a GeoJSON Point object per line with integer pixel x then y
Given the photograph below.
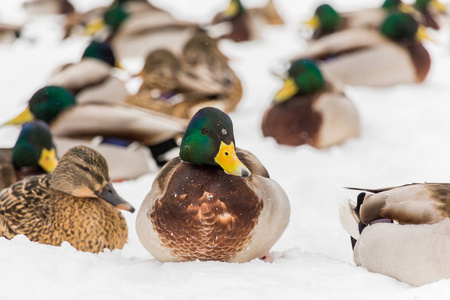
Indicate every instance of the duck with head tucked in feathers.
{"type": "Point", "coordinates": [402, 231]}
{"type": "Point", "coordinates": [310, 110]}
{"type": "Point", "coordinates": [91, 78]}
{"type": "Point", "coordinates": [76, 204]}
{"type": "Point", "coordinates": [246, 23]}
{"type": "Point", "coordinates": [181, 85]}
{"type": "Point", "coordinates": [392, 55]}
{"type": "Point", "coordinates": [214, 202]}
{"type": "Point", "coordinates": [57, 107]}
{"type": "Point", "coordinates": [34, 153]}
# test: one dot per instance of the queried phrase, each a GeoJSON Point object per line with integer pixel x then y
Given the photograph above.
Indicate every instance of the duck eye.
{"type": "Point", "coordinates": [226, 153]}
{"type": "Point", "coordinates": [204, 130]}
{"type": "Point", "coordinates": [85, 169]}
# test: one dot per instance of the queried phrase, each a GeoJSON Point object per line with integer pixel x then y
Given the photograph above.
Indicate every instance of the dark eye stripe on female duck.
{"type": "Point", "coordinates": [392, 55]}
{"type": "Point", "coordinates": [310, 110]}
{"type": "Point", "coordinates": [56, 106]}
{"type": "Point", "coordinates": [327, 20]}
{"type": "Point", "coordinates": [33, 153]}
{"type": "Point", "coordinates": [77, 204]}
{"type": "Point", "coordinates": [214, 202]}
{"type": "Point", "coordinates": [91, 78]}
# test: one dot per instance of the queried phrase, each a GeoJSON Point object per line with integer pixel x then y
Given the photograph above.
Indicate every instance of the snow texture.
{"type": "Point", "coordinates": [404, 138]}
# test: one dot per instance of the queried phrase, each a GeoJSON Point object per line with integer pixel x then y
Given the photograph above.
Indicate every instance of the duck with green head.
{"type": "Point", "coordinates": [77, 204]}
{"type": "Point", "coordinates": [91, 78]}
{"type": "Point", "coordinates": [431, 12]}
{"type": "Point", "coordinates": [214, 202]}
{"type": "Point", "coordinates": [245, 23]}
{"type": "Point", "coordinates": [34, 153]}
{"type": "Point", "coordinates": [391, 55]}
{"type": "Point", "coordinates": [308, 109]}
{"type": "Point", "coordinates": [327, 20]}
{"type": "Point", "coordinates": [67, 119]}
{"type": "Point", "coordinates": [137, 34]}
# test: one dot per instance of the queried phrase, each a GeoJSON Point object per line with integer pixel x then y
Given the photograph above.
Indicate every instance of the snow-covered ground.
{"type": "Point", "coordinates": [405, 138]}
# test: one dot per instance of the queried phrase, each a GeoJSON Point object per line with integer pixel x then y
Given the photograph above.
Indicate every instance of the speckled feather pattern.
{"type": "Point", "coordinates": [47, 216]}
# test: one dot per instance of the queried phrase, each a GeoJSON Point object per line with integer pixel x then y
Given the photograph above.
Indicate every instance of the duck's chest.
{"type": "Point", "coordinates": [205, 214]}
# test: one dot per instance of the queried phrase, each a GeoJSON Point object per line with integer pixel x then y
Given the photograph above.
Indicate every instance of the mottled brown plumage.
{"type": "Point", "coordinates": [200, 212]}
{"type": "Point", "coordinates": [68, 205]}
{"type": "Point", "coordinates": [181, 85]}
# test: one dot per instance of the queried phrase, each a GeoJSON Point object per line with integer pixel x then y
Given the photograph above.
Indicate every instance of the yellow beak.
{"type": "Point", "coordinates": [440, 7]}
{"type": "Point", "coordinates": [422, 34]}
{"type": "Point", "coordinates": [407, 9]}
{"type": "Point", "coordinates": [48, 160]}
{"type": "Point", "coordinates": [288, 90]}
{"type": "Point", "coordinates": [230, 163]}
{"type": "Point", "coordinates": [232, 9]}
{"type": "Point", "coordinates": [118, 65]}
{"type": "Point", "coordinates": [23, 117]}
{"type": "Point", "coordinates": [314, 22]}
{"type": "Point", "coordinates": [94, 27]}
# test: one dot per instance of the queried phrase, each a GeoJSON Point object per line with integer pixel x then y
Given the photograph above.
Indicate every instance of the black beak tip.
{"type": "Point", "coordinates": [131, 209]}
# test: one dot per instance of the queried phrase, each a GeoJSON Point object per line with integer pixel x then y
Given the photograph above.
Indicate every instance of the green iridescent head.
{"type": "Point", "coordinates": [209, 140]}
{"type": "Point", "coordinates": [115, 16]}
{"type": "Point", "coordinates": [48, 102]}
{"type": "Point", "coordinates": [101, 51]}
{"type": "Point", "coordinates": [34, 148]}
{"type": "Point", "coordinates": [235, 8]}
{"type": "Point", "coordinates": [328, 18]}
{"type": "Point", "coordinates": [391, 4]}
{"type": "Point", "coordinates": [400, 27]}
{"type": "Point", "coordinates": [304, 77]}
{"type": "Point", "coordinates": [422, 5]}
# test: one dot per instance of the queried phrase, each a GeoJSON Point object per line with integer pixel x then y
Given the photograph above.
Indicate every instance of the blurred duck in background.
{"type": "Point", "coordinates": [91, 78]}
{"type": "Point", "coordinates": [431, 12]}
{"type": "Point", "coordinates": [116, 124]}
{"type": "Point", "coordinates": [33, 154]}
{"type": "Point", "coordinates": [245, 24]}
{"type": "Point", "coordinates": [327, 20]}
{"type": "Point", "coordinates": [179, 85]}
{"type": "Point", "coordinates": [9, 33]}
{"type": "Point", "coordinates": [49, 7]}
{"type": "Point", "coordinates": [392, 55]}
{"type": "Point", "coordinates": [310, 110]}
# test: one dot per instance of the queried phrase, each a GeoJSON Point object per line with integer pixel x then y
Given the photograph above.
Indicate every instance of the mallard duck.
{"type": "Point", "coordinates": [327, 20]}
{"type": "Point", "coordinates": [142, 32]}
{"type": "Point", "coordinates": [214, 202]}
{"type": "Point", "coordinates": [310, 110]}
{"type": "Point", "coordinates": [181, 85]}
{"type": "Point", "coordinates": [430, 12]}
{"type": "Point", "coordinates": [393, 55]}
{"type": "Point", "coordinates": [9, 33]}
{"type": "Point", "coordinates": [33, 153]}
{"type": "Point", "coordinates": [57, 107]}
{"type": "Point", "coordinates": [246, 23]}
{"type": "Point", "coordinates": [414, 248]}
{"type": "Point", "coordinates": [76, 204]}
{"type": "Point", "coordinates": [58, 7]}
{"type": "Point", "coordinates": [91, 78]}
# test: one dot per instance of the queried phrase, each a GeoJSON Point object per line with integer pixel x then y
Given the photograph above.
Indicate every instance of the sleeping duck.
{"type": "Point", "coordinates": [392, 55]}
{"type": "Point", "coordinates": [33, 153]}
{"type": "Point", "coordinates": [91, 78]}
{"type": "Point", "coordinates": [76, 204]}
{"type": "Point", "coordinates": [246, 23]}
{"type": "Point", "coordinates": [414, 248]}
{"type": "Point", "coordinates": [117, 122]}
{"type": "Point", "coordinates": [327, 20]}
{"type": "Point", "coordinates": [214, 202]}
{"type": "Point", "coordinates": [181, 85]}
{"type": "Point", "coordinates": [310, 110]}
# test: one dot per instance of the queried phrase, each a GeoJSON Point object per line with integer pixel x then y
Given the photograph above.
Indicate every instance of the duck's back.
{"type": "Point", "coordinates": [7, 172]}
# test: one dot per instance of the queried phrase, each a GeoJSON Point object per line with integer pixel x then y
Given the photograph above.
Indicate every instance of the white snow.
{"type": "Point", "coordinates": [405, 138]}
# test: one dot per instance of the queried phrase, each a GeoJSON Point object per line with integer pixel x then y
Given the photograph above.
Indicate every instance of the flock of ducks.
{"type": "Point", "coordinates": [213, 201]}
